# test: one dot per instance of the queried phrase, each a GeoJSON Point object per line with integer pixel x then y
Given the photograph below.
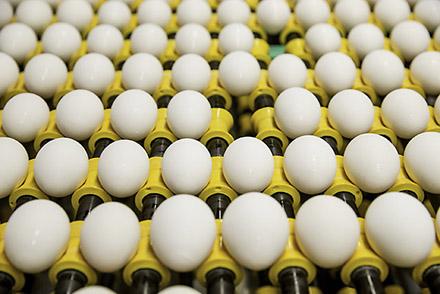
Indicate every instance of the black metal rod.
{"type": "Point", "coordinates": [149, 205]}
{"type": "Point", "coordinates": [69, 281]}
{"type": "Point", "coordinates": [286, 201]}
{"type": "Point", "coordinates": [100, 145]}
{"type": "Point", "coordinates": [432, 278]}
{"type": "Point", "coordinates": [350, 199]}
{"type": "Point", "coordinates": [86, 204]}
{"type": "Point", "coordinates": [220, 281]}
{"type": "Point", "coordinates": [366, 280]}
{"type": "Point", "coordinates": [217, 146]}
{"type": "Point", "coordinates": [145, 281]}
{"type": "Point", "coordinates": [158, 147]}
{"type": "Point", "coordinates": [7, 282]}
{"type": "Point", "coordinates": [275, 145]}
{"type": "Point", "coordinates": [218, 204]}
{"type": "Point", "coordinates": [293, 280]}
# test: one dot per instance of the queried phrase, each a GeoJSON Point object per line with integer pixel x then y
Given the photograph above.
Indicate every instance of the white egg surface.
{"type": "Point", "coordinates": [8, 72]}
{"type": "Point", "coordinates": [190, 72]}
{"type": "Point", "coordinates": [13, 165]}
{"type": "Point", "coordinates": [287, 71]}
{"type": "Point", "coordinates": [142, 71]}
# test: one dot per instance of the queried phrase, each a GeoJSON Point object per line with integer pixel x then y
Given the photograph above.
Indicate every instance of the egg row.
{"type": "Point", "coordinates": [183, 231]}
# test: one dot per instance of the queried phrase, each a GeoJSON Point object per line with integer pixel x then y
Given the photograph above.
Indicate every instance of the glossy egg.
{"type": "Point", "coordinates": [142, 71]}
{"type": "Point", "coordinates": [108, 243]}
{"type": "Point", "coordinates": [391, 12]}
{"type": "Point", "coordinates": [255, 230]}
{"type": "Point", "coordinates": [425, 69]}
{"type": "Point", "coordinates": [78, 13]}
{"type": "Point", "coordinates": [312, 12]}
{"type": "Point", "coordinates": [148, 38]}
{"type": "Point", "coordinates": [273, 15]}
{"type": "Point", "coordinates": [193, 11]}
{"type": "Point", "coordinates": [287, 71]}
{"type": "Point", "coordinates": [134, 113]}
{"type": "Point", "coordinates": [322, 38]}
{"type": "Point", "coordinates": [94, 290]}
{"type": "Point", "coordinates": [9, 72]}
{"type": "Point", "coordinates": [178, 289]}
{"type": "Point", "coordinates": [190, 72]}
{"type": "Point", "coordinates": [388, 228]}
{"type": "Point", "coordinates": [189, 114]}
{"type": "Point", "coordinates": [422, 149]}
{"type": "Point", "coordinates": [405, 112]}
{"type": "Point", "coordinates": [239, 73]}
{"type": "Point", "coordinates": [115, 13]}
{"type": "Point", "coordinates": [35, 13]}
{"type": "Point", "coordinates": [62, 40]}
{"type": "Point", "coordinates": [248, 165]}
{"type": "Point", "coordinates": [297, 112]}
{"type": "Point", "coordinates": [236, 11]}
{"type": "Point", "coordinates": [44, 74]}
{"type": "Point", "coordinates": [93, 72]}
{"type": "Point", "coordinates": [186, 167]}
{"type": "Point", "coordinates": [326, 221]}
{"type": "Point", "coordinates": [351, 112]}
{"type": "Point", "coordinates": [335, 72]}
{"type": "Point", "coordinates": [183, 231]}
{"type": "Point", "coordinates": [154, 12]}
{"type": "Point", "coordinates": [18, 41]}
{"type": "Point", "coordinates": [235, 37]}
{"type": "Point", "coordinates": [23, 117]}
{"type": "Point", "coordinates": [79, 114]}
{"type": "Point", "coordinates": [428, 13]}
{"type": "Point", "coordinates": [36, 235]}
{"type": "Point", "coordinates": [61, 166]}
{"type": "Point", "coordinates": [371, 162]}
{"type": "Point", "coordinates": [365, 38]}
{"type": "Point", "coordinates": [192, 38]}
{"type": "Point", "coordinates": [105, 39]}
{"type": "Point", "coordinates": [13, 165]}
{"type": "Point", "coordinates": [411, 38]}
{"type": "Point", "coordinates": [310, 164]}
{"type": "Point", "coordinates": [123, 168]}
{"type": "Point", "coordinates": [7, 13]}
{"type": "Point", "coordinates": [352, 12]}
{"type": "Point", "coordinates": [383, 70]}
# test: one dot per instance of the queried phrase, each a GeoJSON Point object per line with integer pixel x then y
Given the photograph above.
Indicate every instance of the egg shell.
{"type": "Point", "coordinates": [287, 71]}
{"type": "Point", "coordinates": [13, 165]}
{"type": "Point", "coordinates": [78, 13]}
{"type": "Point", "coordinates": [154, 12]}
{"type": "Point", "coordinates": [365, 38]}
{"type": "Point", "coordinates": [8, 72]}
{"type": "Point", "coordinates": [190, 72]}
{"type": "Point", "coordinates": [61, 39]}
{"type": "Point", "coordinates": [105, 39]}
{"type": "Point", "coordinates": [322, 38]}
{"type": "Point", "coordinates": [192, 38]}
{"type": "Point", "coordinates": [236, 11]}
{"type": "Point", "coordinates": [273, 15]}
{"type": "Point", "coordinates": [17, 40]}
{"type": "Point", "coordinates": [115, 13]}
{"type": "Point", "coordinates": [312, 12]}
{"type": "Point", "coordinates": [425, 69]}
{"type": "Point", "coordinates": [142, 36]}
{"type": "Point", "coordinates": [142, 71]}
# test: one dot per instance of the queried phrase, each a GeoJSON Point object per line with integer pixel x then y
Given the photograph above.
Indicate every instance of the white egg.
{"type": "Point", "coordinates": [351, 112]}
{"type": "Point", "coordinates": [13, 165]}
{"type": "Point", "coordinates": [24, 115]}
{"type": "Point", "coordinates": [35, 13]}
{"type": "Point", "coordinates": [335, 72]}
{"type": "Point", "coordinates": [183, 232]}
{"type": "Point", "coordinates": [114, 13]}
{"type": "Point", "coordinates": [327, 220]}
{"type": "Point", "coordinates": [17, 40]}
{"type": "Point", "coordinates": [79, 114]}
{"type": "Point", "coordinates": [428, 13]}
{"type": "Point", "coordinates": [44, 74]}
{"type": "Point", "coordinates": [391, 12]}
{"type": "Point", "coordinates": [94, 290]}
{"type": "Point", "coordinates": [134, 114]}
{"type": "Point", "coordinates": [366, 37]}
{"type": "Point", "coordinates": [400, 229]}
{"type": "Point", "coordinates": [142, 71]}
{"type": "Point", "coordinates": [352, 12]}
{"type": "Point", "coordinates": [181, 289]}
{"type": "Point", "coordinates": [310, 164]}
{"type": "Point", "coordinates": [149, 38]}
{"type": "Point", "coordinates": [62, 40]}
{"type": "Point", "coordinates": [437, 110]}
{"type": "Point", "coordinates": [411, 38]}
{"type": "Point", "coordinates": [105, 39]}
{"type": "Point", "coordinates": [36, 235]}
{"type": "Point", "coordinates": [193, 11]}
{"type": "Point", "coordinates": [287, 71]}
{"type": "Point", "coordinates": [61, 166]}
{"type": "Point", "coordinates": [189, 114]}
{"type": "Point", "coordinates": [421, 161]}
{"type": "Point", "coordinates": [93, 72]}
{"type": "Point", "coordinates": [9, 72]}
{"type": "Point", "coordinates": [322, 38]}
{"type": "Point", "coordinates": [192, 38]}
{"type": "Point", "coordinates": [248, 165]}
{"type": "Point", "coordinates": [7, 13]}
{"type": "Point", "coordinates": [186, 167]}
{"type": "Point", "coordinates": [235, 37]}
{"type": "Point", "coordinates": [233, 12]}
{"type": "Point", "coordinates": [109, 236]}
{"type": "Point", "coordinates": [297, 112]}
{"type": "Point", "coordinates": [383, 70]}
{"type": "Point", "coordinates": [425, 69]}
{"type": "Point", "coordinates": [123, 168]}
{"type": "Point", "coordinates": [154, 12]}
{"type": "Point", "coordinates": [239, 73]}
{"type": "Point", "coordinates": [78, 13]}
{"type": "Point", "coordinates": [273, 15]}
{"type": "Point", "coordinates": [436, 36]}
{"type": "Point", "coordinates": [312, 12]}
{"type": "Point", "coordinates": [372, 163]}
{"type": "Point", "coordinates": [406, 112]}
{"type": "Point", "coordinates": [255, 230]}
{"type": "Point", "coordinates": [190, 72]}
